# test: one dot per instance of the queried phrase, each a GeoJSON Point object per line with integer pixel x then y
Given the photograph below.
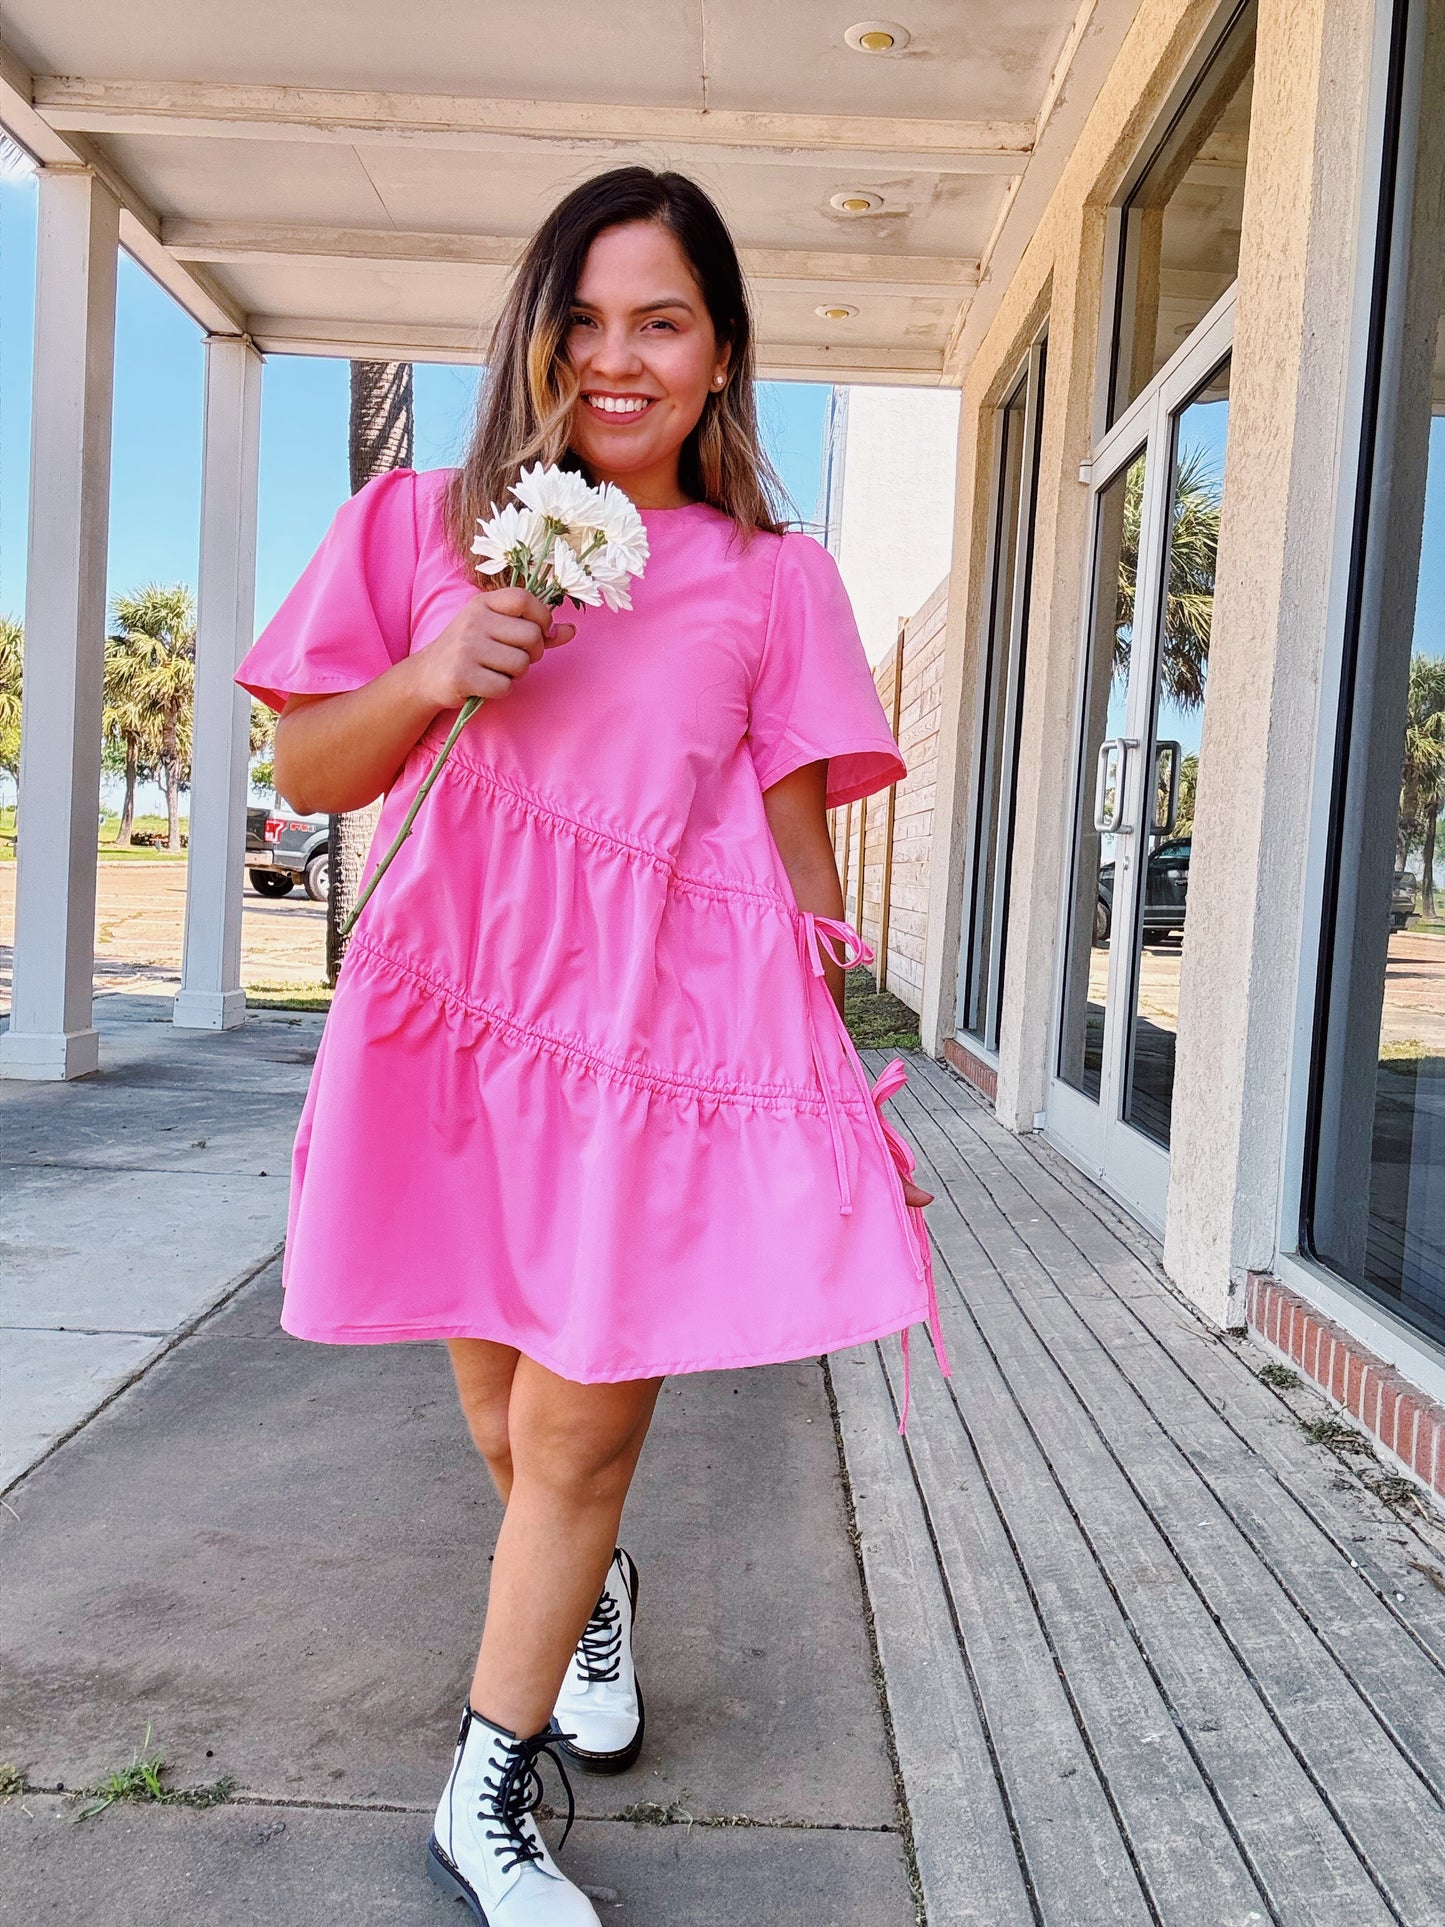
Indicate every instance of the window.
{"type": "Point", "coordinates": [1180, 225]}
{"type": "Point", "coordinates": [1015, 495]}
{"type": "Point", "coordinates": [1375, 1191]}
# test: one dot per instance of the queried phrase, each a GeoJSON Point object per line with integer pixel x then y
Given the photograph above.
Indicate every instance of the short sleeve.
{"type": "Point", "coordinates": [349, 616]}
{"type": "Point", "coordinates": [813, 699]}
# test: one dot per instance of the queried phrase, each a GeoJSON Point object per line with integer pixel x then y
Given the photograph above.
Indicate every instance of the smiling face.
{"type": "Point", "coordinates": [646, 356]}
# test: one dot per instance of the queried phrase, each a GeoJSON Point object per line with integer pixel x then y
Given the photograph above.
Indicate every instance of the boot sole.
{"type": "Point", "coordinates": [441, 1872]}
{"type": "Point", "coordinates": [618, 1762]}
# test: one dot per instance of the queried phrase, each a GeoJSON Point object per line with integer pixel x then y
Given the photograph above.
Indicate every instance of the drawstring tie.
{"type": "Point", "coordinates": [841, 944]}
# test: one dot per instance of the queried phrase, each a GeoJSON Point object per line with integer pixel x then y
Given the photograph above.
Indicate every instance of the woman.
{"type": "Point", "coordinates": [584, 1107]}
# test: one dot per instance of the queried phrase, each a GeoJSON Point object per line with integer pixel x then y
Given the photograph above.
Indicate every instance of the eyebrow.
{"type": "Point", "coordinates": [648, 307]}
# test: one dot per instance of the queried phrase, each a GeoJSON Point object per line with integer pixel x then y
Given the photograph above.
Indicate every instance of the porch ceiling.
{"type": "Point", "coordinates": [356, 179]}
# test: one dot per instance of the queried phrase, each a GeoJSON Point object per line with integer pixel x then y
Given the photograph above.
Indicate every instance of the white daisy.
{"type": "Point", "coordinates": [571, 576]}
{"type": "Point", "coordinates": [559, 494]}
{"type": "Point", "coordinates": [618, 519]}
{"type": "Point", "coordinates": [513, 535]}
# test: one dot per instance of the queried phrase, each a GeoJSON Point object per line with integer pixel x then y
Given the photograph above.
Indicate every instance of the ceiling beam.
{"type": "Point", "coordinates": [440, 341]}
{"type": "Point", "coordinates": [274, 245]}
{"type": "Point", "coordinates": [140, 228]}
{"type": "Point", "coordinates": [202, 109]}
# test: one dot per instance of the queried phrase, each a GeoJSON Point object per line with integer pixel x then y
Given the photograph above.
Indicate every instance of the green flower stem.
{"type": "Point", "coordinates": [534, 581]}
{"type": "Point", "coordinates": [468, 710]}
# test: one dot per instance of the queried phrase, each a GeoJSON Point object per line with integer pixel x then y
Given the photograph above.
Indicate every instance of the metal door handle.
{"type": "Point", "coordinates": [1109, 784]}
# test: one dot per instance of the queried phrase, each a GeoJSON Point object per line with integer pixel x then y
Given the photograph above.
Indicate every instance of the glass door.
{"type": "Point", "coordinates": [982, 957]}
{"type": "Point", "coordinates": [1157, 495]}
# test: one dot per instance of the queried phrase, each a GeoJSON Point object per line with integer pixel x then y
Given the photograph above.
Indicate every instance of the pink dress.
{"type": "Point", "coordinates": [582, 1089]}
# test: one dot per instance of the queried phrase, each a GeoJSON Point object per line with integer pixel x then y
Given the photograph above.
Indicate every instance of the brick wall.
{"type": "Point", "coordinates": [1397, 1415]}
{"type": "Point", "coordinates": [866, 826]}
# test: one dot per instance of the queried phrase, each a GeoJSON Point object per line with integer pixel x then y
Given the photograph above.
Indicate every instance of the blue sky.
{"type": "Point", "coordinates": [155, 494]}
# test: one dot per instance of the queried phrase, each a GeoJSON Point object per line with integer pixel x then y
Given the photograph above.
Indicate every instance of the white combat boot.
{"type": "Point", "coordinates": [599, 1716]}
{"type": "Point", "coordinates": [485, 1848]}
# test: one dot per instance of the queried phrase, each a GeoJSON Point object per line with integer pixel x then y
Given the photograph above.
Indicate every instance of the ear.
{"type": "Point", "coordinates": [724, 361]}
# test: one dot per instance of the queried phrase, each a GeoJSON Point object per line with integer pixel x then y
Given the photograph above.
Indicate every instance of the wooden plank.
{"type": "Point", "coordinates": [1298, 1852]}
{"type": "Point", "coordinates": [1107, 1796]}
{"type": "Point", "coordinates": [1361, 1572]}
{"type": "Point", "coordinates": [967, 1855]}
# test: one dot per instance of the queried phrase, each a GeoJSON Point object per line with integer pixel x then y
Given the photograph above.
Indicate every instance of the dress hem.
{"type": "Point", "coordinates": [423, 1334]}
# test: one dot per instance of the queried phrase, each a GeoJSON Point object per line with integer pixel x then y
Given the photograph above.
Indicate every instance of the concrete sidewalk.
{"type": "Point", "coordinates": [271, 1556]}
{"type": "Point", "coordinates": [130, 1202]}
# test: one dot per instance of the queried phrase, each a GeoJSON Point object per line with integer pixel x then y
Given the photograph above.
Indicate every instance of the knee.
{"type": "Point", "coordinates": [576, 1465]}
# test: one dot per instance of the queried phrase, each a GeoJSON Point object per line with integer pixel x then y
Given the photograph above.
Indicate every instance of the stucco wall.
{"type": "Point", "coordinates": [1240, 1013]}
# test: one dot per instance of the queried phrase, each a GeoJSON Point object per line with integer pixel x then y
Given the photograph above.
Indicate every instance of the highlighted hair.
{"type": "Point", "coordinates": [524, 408]}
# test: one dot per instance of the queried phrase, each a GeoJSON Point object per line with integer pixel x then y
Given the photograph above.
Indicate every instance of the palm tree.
{"type": "Point", "coordinates": [1193, 551]}
{"type": "Point", "coordinates": [381, 436]}
{"type": "Point", "coordinates": [130, 744]}
{"type": "Point", "coordinates": [155, 681]}
{"type": "Point", "coordinates": [12, 637]}
{"type": "Point", "coordinates": [1422, 785]}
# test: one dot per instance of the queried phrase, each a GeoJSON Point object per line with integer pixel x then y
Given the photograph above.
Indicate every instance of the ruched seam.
{"type": "Point", "coordinates": [599, 1063]}
{"type": "Point", "coordinates": [719, 889]}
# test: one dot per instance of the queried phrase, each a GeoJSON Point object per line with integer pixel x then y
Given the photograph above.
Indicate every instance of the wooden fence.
{"type": "Point", "coordinates": [882, 843]}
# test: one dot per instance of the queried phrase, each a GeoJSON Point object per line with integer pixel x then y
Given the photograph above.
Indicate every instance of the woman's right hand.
{"type": "Point", "coordinates": [489, 644]}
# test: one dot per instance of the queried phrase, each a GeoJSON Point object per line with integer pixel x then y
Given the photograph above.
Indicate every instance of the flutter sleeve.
{"type": "Point", "coordinates": [349, 616]}
{"type": "Point", "coordinates": [813, 699]}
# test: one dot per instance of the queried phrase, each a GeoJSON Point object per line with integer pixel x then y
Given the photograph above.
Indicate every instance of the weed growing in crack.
{"type": "Point", "coordinates": [1337, 1435]}
{"type": "Point", "coordinates": [1282, 1377]}
{"type": "Point", "coordinates": [143, 1780]}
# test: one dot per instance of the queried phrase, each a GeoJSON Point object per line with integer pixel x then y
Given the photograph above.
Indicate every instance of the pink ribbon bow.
{"type": "Point", "coordinates": [841, 943]}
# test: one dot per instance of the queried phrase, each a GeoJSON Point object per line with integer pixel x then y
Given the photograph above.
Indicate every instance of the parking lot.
{"type": "Point", "coordinates": [140, 925]}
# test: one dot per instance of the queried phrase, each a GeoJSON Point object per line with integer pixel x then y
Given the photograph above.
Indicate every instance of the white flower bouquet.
{"type": "Point", "coordinates": [563, 541]}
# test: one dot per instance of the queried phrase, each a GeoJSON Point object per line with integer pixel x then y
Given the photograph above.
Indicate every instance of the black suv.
{"type": "Point", "coordinates": [284, 850]}
{"type": "Point", "coordinates": [1166, 892]}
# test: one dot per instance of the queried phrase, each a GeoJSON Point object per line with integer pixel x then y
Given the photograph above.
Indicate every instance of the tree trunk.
{"type": "Point", "coordinates": [381, 437]}
{"type": "Point", "coordinates": [127, 809]}
{"type": "Point", "coordinates": [1427, 859]}
{"type": "Point", "coordinates": [171, 763]}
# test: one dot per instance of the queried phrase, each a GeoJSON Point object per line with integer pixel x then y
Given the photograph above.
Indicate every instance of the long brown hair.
{"type": "Point", "coordinates": [524, 407]}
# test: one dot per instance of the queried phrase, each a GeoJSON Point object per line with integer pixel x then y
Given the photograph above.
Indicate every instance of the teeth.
{"type": "Point", "coordinates": [617, 404]}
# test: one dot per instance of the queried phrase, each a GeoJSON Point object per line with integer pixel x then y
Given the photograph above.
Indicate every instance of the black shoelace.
{"type": "Point", "coordinates": [600, 1647]}
{"type": "Point", "coordinates": [516, 1793]}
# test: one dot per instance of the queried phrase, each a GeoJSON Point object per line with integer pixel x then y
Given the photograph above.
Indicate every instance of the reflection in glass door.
{"type": "Point", "coordinates": [1181, 672]}
{"type": "Point", "coordinates": [1016, 491]}
{"type": "Point", "coordinates": [1103, 765]}
{"type": "Point", "coordinates": [1156, 539]}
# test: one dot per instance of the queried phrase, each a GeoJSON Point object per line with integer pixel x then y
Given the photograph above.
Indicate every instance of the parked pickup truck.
{"type": "Point", "coordinates": [283, 850]}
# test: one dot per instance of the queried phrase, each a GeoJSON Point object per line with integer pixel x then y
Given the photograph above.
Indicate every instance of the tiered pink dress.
{"type": "Point", "coordinates": [582, 1089]}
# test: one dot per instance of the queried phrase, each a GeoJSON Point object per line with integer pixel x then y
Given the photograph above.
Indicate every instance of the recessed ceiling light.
{"type": "Point", "coordinates": [877, 37]}
{"type": "Point", "coordinates": [857, 200]}
{"type": "Point", "coordinates": [837, 313]}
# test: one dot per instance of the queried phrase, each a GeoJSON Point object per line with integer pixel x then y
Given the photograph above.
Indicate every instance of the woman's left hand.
{"type": "Point", "coordinates": [915, 1195]}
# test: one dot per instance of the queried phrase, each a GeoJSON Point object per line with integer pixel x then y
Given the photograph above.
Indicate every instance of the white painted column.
{"type": "Point", "coordinates": [210, 996]}
{"type": "Point", "coordinates": [52, 1033]}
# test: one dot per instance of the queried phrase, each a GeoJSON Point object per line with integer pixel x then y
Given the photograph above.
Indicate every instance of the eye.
{"type": "Point", "coordinates": [581, 321]}
{"type": "Point", "coordinates": [660, 321]}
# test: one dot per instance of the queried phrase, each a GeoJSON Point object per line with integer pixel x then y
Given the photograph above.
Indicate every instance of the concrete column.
{"type": "Point", "coordinates": [1299, 290]}
{"type": "Point", "coordinates": [52, 1033]}
{"type": "Point", "coordinates": [210, 996]}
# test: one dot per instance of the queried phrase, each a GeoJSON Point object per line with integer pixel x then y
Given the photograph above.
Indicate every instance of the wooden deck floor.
{"type": "Point", "coordinates": [1150, 1653]}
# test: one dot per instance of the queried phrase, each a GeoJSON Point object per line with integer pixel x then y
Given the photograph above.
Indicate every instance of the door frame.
{"type": "Point", "coordinates": [1094, 1135]}
{"type": "Point", "coordinates": [1030, 377]}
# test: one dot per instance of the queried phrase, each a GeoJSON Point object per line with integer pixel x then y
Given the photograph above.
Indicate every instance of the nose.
{"type": "Point", "coordinates": [614, 354]}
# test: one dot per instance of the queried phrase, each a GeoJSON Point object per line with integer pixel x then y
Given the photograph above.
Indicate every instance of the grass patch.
{"type": "Point", "coordinates": [289, 997]}
{"type": "Point", "coordinates": [12, 1781]}
{"type": "Point", "coordinates": [143, 1781]}
{"type": "Point", "coordinates": [877, 1020]}
{"type": "Point", "coordinates": [1337, 1435]}
{"type": "Point", "coordinates": [1281, 1377]}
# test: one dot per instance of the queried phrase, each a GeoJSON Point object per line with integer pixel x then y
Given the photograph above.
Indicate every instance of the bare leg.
{"type": "Point", "coordinates": [572, 1451]}
{"type": "Point", "coordinates": [484, 1374]}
